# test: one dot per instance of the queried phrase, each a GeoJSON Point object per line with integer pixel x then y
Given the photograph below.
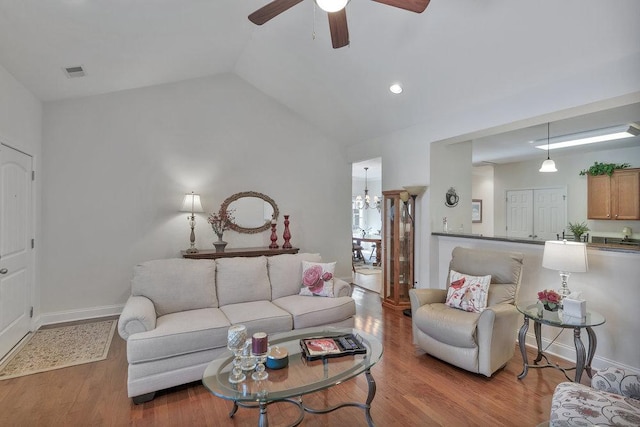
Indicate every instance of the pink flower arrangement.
{"type": "Point", "coordinates": [314, 279]}
{"type": "Point", "coordinates": [220, 221]}
{"type": "Point", "coordinates": [549, 298]}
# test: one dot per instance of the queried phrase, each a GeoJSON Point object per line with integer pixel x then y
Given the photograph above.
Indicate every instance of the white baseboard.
{"type": "Point", "coordinates": [568, 353]}
{"type": "Point", "coordinates": [73, 315]}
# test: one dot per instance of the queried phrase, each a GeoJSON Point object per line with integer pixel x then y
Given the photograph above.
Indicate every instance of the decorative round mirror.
{"type": "Point", "coordinates": [252, 211]}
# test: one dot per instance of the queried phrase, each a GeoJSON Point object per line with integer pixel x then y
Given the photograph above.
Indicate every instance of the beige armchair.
{"type": "Point", "coordinates": [478, 342]}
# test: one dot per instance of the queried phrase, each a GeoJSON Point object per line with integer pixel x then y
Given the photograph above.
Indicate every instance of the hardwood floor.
{"type": "Point", "coordinates": [411, 391]}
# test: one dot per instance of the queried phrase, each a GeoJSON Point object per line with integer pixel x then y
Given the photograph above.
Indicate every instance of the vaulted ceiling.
{"type": "Point", "coordinates": [455, 56]}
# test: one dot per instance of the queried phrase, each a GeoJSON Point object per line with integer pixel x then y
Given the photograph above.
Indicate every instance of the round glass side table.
{"type": "Point", "coordinates": [534, 311]}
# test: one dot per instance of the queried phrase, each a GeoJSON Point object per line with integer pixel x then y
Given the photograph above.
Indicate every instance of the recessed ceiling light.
{"type": "Point", "coordinates": [395, 88]}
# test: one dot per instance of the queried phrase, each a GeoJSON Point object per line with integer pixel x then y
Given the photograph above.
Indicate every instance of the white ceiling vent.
{"type": "Point", "coordinates": [76, 71]}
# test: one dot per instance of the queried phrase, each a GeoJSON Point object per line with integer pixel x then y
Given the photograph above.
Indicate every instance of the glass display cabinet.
{"type": "Point", "coordinates": [398, 247]}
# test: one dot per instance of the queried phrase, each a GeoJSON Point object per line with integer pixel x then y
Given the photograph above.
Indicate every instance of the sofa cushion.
{"type": "Point", "coordinates": [285, 272]}
{"type": "Point", "coordinates": [164, 282]}
{"type": "Point", "coordinates": [316, 311]}
{"type": "Point", "coordinates": [259, 316]}
{"type": "Point", "coordinates": [447, 325]}
{"type": "Point", "coordinates": [242, 280]}
{"type": "Point", "coordinates": [179, 333]}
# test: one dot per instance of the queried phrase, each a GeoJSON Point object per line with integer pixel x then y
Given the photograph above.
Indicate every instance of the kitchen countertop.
{"type": "Point", "coordinates": [614, 247]}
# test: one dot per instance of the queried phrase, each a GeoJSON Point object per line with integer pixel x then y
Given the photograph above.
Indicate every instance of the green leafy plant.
{"type": "Point", "coordinates": [604, 168]}
{"type": "Point", "coordinates": [578, 228]}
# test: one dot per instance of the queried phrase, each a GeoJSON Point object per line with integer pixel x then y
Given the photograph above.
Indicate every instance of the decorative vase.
{"type": "Point", "coordinates": [548, 308]}
{"type": "Point", "coordinates": [220, 244]}
{"type": "Point", "coordinates": [287, 234]}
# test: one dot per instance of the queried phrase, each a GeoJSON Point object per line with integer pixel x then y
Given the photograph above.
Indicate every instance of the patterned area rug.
{"type": "Point", "coordinates": [56, 348]}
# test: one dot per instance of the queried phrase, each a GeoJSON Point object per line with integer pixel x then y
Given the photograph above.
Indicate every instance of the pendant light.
{"type": "Point", "coordinates": [548, 165]}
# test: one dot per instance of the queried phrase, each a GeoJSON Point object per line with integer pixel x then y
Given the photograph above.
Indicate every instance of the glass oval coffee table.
{"type": "Point", "coordinates": [300, 377]}
{"type": "Point", "coordinates": [533, 311]}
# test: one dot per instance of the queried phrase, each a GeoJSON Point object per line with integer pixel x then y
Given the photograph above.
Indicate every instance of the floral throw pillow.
{"type": "Point", "coordinates": [317, 279]}
{"type": "Point", "coordinates": [468, 293]}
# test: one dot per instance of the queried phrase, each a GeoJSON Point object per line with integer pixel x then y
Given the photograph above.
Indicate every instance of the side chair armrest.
{"type": "Point", "coordinates": [138, 315]}
{"type": "Point", "coordinates": [420, 297]}
{"type": "Point", "coordinates": [497, 330]}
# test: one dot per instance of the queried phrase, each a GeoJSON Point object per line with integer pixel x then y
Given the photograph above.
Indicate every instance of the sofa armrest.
{"type": "Point", "coordinates": [138, 315]}
{"type": "Point", "coordinates": [341, 288]}
{"type": "Point", "coordinates": [616, 380]}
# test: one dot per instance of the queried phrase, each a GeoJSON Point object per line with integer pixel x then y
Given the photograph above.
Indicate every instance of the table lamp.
{"type": "Point", "coordinates": [191, 203]}
{"type": "Point", "coordinates": [566, 258]}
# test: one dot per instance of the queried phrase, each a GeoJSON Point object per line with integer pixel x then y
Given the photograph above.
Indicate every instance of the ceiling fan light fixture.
{"type": "Point", "coordinates": [395, 88]}
{"type": "Point", "coordinates": [331, 5]}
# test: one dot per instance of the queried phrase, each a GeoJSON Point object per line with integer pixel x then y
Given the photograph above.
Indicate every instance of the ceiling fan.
{"type": "Point", "coordinates": [336, 12]}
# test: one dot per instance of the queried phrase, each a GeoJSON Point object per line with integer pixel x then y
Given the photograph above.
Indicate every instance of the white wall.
{"type": "Point", "coordinates": [482, 189]}
{"type": "Point", "coordinates": [21, 129]}
{"type": "Point", "coordinates": [525, 175]}
{"type": "Point", "coordinates": [117, 167]}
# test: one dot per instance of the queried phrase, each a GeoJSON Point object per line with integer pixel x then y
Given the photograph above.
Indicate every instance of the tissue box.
{"type": "Point", "coordinates": [574, 308]}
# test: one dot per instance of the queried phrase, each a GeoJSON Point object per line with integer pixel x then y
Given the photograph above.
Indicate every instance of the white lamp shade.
{"type": "Point", "coordinates": [191, 203]}
{"type": "Point", "coordinates": [548, 166]}
{"type": "Point", "coordinates": [570, 257]}
{"type": "Point", "coordinates": [332, 5]}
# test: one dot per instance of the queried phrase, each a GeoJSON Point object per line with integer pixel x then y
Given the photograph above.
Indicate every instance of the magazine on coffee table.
{"type": "Point", "coordinates": [323, 347]}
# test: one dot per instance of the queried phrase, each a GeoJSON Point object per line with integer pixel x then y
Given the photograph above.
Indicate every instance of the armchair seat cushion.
{"type": "Point", "coordinates": [577, 404]}
{"type": "Point", "coordinates": [449, 326]}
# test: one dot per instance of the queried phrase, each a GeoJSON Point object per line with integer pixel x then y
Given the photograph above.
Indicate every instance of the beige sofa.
{"type": "Point", "coordinates": [175, 322]}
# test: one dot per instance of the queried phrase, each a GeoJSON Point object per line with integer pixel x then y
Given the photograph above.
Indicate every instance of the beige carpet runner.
{"type": "Point", "coordinates": [55, 348]}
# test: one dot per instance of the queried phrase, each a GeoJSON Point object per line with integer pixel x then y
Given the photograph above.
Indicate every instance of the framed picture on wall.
{"type": "Point", "coordinates": [476, 210]}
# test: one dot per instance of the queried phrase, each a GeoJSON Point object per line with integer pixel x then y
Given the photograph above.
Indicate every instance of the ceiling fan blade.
{"type": "Point", "coordinates": [271, 10]}
{"type": "Point", "coordinates": [417, 6]}
{"type": "Point", "coordinates": [339, 29]}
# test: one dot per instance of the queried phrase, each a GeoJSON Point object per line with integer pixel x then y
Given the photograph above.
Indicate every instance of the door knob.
{"type": "Point", "coordinates": [4, 271]}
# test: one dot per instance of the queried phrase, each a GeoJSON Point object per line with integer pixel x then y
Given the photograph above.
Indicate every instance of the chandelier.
{"type": "Point", "coordinates": [366, 202]}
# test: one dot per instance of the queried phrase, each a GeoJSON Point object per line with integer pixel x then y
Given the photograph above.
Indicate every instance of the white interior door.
{"type": "Point", "coordinates": [520, 214]}
{"type": "Point", "coordinates": [15, 247]}
{"type": "Point", "coordinates": [536, 214]}
{"type": "Point", "coordinates": [549, 218]}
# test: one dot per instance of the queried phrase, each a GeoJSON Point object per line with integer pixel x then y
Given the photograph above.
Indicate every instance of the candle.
{"type": "Point", "coordinates": [259, 343]}
{"type": "Point", "coordinates": [236, 336]}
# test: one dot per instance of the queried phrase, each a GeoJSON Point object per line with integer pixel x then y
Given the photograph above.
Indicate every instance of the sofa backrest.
{"type": "Point", "coordinates": [505, 269]}
{"type": "Point", "coordinates": [176, 284]}
{"type": "Point", "coordinates": [285, 273]}
{"type": "Point", "coordinates": [242, 279]}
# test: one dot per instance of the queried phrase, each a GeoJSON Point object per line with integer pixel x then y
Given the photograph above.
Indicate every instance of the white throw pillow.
{"type": "Point", "coordinates": [317, 279]}
{"type": "Point", "coordinates": [468, 293]}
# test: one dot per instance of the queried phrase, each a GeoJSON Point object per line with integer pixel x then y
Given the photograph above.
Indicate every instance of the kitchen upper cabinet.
{"type": "Point", "coordinates": [615, 197]}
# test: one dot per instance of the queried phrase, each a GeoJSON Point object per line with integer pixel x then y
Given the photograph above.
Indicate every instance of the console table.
{"type": "Point", "coordinates": [238, 252]}
{"type": "Point", "coordinates": [533, 311]}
